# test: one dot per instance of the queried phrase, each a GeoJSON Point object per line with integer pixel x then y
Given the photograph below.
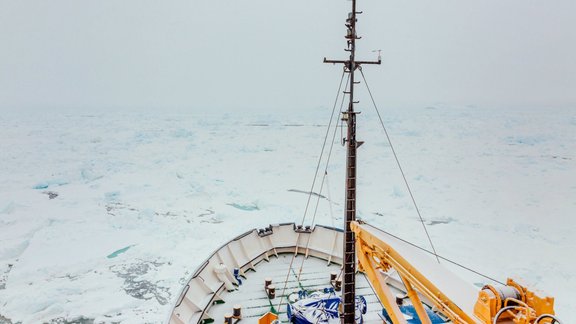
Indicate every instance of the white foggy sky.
{"type": "Point", "coordinates": [267, 54]}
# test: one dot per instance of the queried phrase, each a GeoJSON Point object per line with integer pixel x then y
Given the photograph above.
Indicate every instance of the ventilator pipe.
{"type": "Point", "coordinates": [221, 272]}
{"type": "Point", "coordinates": [236, 273]}
{"type": "Point", "coordinates": [543, 316]}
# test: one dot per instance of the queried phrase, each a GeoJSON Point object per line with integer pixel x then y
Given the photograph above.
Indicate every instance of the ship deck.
{"type": "Point", "coordinates": [315, 276]}
{"type": "Point", "coordinates": [213, 291]}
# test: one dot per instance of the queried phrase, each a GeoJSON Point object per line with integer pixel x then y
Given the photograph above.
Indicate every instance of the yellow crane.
{"type": "Point", "coordinates": [426, 281]}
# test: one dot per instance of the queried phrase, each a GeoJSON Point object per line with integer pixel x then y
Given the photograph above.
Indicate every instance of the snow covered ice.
{"type": "Point", "coordinates": [104, 216]}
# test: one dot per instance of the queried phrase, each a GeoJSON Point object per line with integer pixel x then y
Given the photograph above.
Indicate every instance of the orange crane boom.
{"type": "Point", "coordinates": [427, 282]}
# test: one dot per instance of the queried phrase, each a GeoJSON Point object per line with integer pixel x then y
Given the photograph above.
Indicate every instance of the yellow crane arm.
{"type": "Point", "coordinates": [425, 281]}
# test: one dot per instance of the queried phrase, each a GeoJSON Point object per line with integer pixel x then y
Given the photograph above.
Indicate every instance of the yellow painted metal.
{"type": "Point", "coordinates": [375, 255]}
{"type": "Point", "coordinates": [486, 306]}
{"type": "Point", "coordinates": [416, 302]}
{"type": "Point", "coordinates": [387, 257]}
{"type": "Point", "coordinates": [530, 305]}
{"type": "Point", "coordinates": [381, 288]}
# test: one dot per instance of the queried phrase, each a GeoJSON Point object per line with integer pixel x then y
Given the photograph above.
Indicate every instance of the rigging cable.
{"type": "Point", "coordinates": [313, 184]}
{"type": "Point", "coordinates": [433, 252]}
{"type": "Point", "coordinates": [445, 259]}
{"type": "Point", "coordinates": [332, 218]}
{"type": "Point", "coordinates": [329, 198]}
{"type": "Point", "coordinates": [324, 179]}
{"type": "Point", "coordinates": [399, 166]}
{"type": "Point", "coordinates": [322, 150]}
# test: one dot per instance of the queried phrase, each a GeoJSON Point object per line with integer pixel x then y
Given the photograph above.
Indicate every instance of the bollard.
{"type": "Point", "coordinates": [237, 313]}
{"type": "Point", "coordinates": [338, 285]}
{"type": "Point", "coordinates": [267, 282]}
{"type": "Point", "coordinates": [271, 291]}
{"type": "Point", "coordinates": [333, 276]}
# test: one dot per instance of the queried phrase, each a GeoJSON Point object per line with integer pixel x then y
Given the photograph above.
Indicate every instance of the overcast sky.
{"type": "Point", "coordinates": [267, 54]}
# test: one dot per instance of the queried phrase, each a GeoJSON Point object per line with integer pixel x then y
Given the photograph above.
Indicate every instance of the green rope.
{"type": "Point", "coordinates": [272, 309]}
{"type": "Point", "coordinates": [298, 280]}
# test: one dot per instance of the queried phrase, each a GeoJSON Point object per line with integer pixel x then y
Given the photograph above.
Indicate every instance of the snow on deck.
{"type": "Point", "coordinates": [315, 276]}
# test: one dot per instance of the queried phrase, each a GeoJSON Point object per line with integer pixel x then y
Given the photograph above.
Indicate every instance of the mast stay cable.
{"type": "Point", "coordinates": [312, 187]}
{"type": "Point", "coordinates": [322, 150]}
{"type": "Point", "coordinates": [433, 252]}
{"type": "Point", "coordinates": [445, 259]}
{"type": "Point", "coordinates": [324, 180]}
{"type": "Point", "coordinates": [400, 166]}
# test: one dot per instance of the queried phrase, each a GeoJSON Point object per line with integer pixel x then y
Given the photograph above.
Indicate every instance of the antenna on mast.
{"type": "Point", "coordinates": [379, 52]}
{"type": "Point", "coordinates": [348, 313]}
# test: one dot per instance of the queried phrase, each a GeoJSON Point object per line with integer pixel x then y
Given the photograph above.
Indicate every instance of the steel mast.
{"type": "Point", "coordinates": [349, 256]}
